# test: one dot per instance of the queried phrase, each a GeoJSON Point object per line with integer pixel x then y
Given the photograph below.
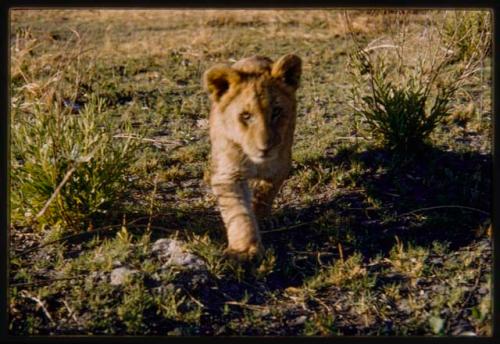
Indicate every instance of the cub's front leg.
{"type": "Point", "coordinates": [234, 200]}
{"type": "Point", "coordinates": [263, 194]}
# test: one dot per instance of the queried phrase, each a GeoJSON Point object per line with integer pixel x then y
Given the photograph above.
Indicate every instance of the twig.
{"type": "Point", "coordinates": [366, 208]}
{"type": "Point", "coordinates": [444, 207]}
{"type": "Point", "coordinates": [354, 138]}
{"type": "Point", "coordinates": [145, 139]}
{"type": "Point", "coordinates": [56, 192]}
{"type": "Point", "coordinates": [151, 205]}
{"type": "Point", "coordinates": [318, 300]}
{"type": "Point", "coordinates": [96, 230]}
{"type": "Point", "coordinates": [469, 296]}
{"type": "Point", "coordinates": [68, 174]}
{"type": "Point", "coordinates": [282, 229]}
{"type": "Point", "coordinates": [341, 252]}
{"type": "Point", "coordinates": [194, 299]}
{"type": "Point", "coordinates": [379, 47]}
{"type": "Point", "coordinates": [71, 312]}
{"type": "Point", "coordinates": [160, 228]}
{"type": "Point", "coordinates": [26, 295]}
{"type": "Point", "coordinates": [318, 258]}
{"type": "Point", "coordinates": [323, 253]}
{"type": "Point", "coordinates": [245, 305]}
{"type": "Point", "coordinates": [47, 281]}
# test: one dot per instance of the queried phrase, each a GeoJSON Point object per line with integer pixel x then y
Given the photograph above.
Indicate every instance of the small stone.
{"type": "Point", "coordinates": [483, 291]}
{"type": "Point", "coordinates": [199, 279]}
{"type": "Point", "coordinates": [404, 307]}
{"type": "Point", "coordinates": [202, 123]}
{"type": "Point", "coordinates": [463, 328]}
{"type": "Point", "coordinates": [221, 330]}
{"type": "Point", "coordinates": [187, 260]}
{"type": "Point", "coordinates": [166, 247]}
{"type": "Point", "coordinates": [468, 333]}
{"type": "Point", "coordinates": [439, 289]}
{"type": "Point", "coordinates": [119, 275]}
{"type": "Point", "coordinates": [264, 312]}
{"type": "Point", "coordinates": [175, 332]}
{"type": "Point", "coordinates": [171, 252]}
{"type": "Point", "coordinates": [437, 261]}
{"type": "Point", "coordinates": [97, 276]}
{"type": "Point", "coordinates": [436, 324]}
{"type": "Point", "coordinates": [298, 321]}
{"type": "Point", "coordinates": [99, 258]}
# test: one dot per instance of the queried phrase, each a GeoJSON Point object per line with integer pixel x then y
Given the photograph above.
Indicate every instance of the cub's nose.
{"type": "Point", "coordinates": [264, 144]}
{"type": "Point", "coordinates": [264, 152]}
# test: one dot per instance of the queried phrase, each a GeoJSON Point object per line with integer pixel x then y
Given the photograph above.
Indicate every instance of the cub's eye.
{"type": "Point", "coordinates": [276, 113]}
{"type": "Point", "coordinates": [246, 116]}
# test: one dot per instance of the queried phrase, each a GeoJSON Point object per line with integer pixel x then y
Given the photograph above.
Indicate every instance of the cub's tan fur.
{"type": "Point", "coordinates": [252, 121]}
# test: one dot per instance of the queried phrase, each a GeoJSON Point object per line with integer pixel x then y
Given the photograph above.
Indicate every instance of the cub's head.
{"type": "Point", "coordinates": [254, 103]}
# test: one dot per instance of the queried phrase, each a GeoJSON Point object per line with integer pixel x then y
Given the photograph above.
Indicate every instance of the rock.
{"type": "Point", "coordinates": [468, 333]}
{"type": "Point", "coordinates": [483, 291]}
{"type": "Point", "coordinates": [175, 332]}
{"type": "Point", "coordinates": [171, 252]}
{"type": "Point", "coordinates": [202, 123]}
{"type": "Point", "coordinates": [166, 247]}
{"type": "Point", "coordinates": [221, 330]}
{"type": "Point", "coordinates": [439, 289]}
{"type": "Point", "coordinates": [436, 324]}
{"type": "Point", "coordinates": [463, 328]}
{"type": "Point", "coordinates": [199, 279]}
{"type": "Point", "coordinates": [437, 261]}
{"type": "Point", "coordinates": [99, 258]}
{"type": "Point", "coordinates": [119, 275]}
{"type": "Point", "coordinates": [298, 321]}
{"type": "Point", "coordinates": [263, 312]}
{"type": "Point", "coordinates": [193, 274]}
{"type": "Point", "coordinates": [97, 276]}
{"type": "Point", "coordinates": [404, 307]}
{"type": "Point", "coordinates": [186, 259]}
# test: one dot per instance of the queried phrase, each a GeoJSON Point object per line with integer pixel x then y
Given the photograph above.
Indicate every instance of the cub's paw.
{"type": "Point", "coordinates": [252, 253]}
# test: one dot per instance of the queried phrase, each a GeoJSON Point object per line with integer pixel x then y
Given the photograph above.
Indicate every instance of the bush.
{"type": "Point", "coordinates": [400, 116]}
{"type": "Point", "coordinates": [67, 166]}
{"type": "Point", "coordinates": [401, 90]}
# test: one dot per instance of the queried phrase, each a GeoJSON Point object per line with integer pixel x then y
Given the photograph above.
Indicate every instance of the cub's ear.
{"type": "Point", "coordinates": [218, 79]}
{"type": "Point", "coordinates": [288, 68]}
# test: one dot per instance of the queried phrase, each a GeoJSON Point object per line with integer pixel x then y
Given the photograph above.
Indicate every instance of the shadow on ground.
{"type": "Point", "coordinates": [436, 196]}
{"type": "Point", "coordinates": [305, 238]}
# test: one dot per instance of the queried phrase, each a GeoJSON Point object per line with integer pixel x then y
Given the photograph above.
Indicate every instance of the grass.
{"type": "Point", "coordinates": [361, 242]}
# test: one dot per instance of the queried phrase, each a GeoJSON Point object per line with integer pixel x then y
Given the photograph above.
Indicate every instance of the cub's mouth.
{"type": "Point", "coordinates": [263, 157]}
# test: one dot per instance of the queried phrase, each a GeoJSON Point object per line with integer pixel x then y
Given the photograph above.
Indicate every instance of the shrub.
{"type": "Point", "coordinates": [400, 116]}
{"type": "Point", "coordinates": [67, 164]}
{"type": "Point", "coordinates": [401, 90]}
{"type": "Point", "coordinates": [67, 167]}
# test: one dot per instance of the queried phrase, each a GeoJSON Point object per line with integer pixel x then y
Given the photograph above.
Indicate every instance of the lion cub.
{"type": "Point", "coordinates": [252, 121]}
